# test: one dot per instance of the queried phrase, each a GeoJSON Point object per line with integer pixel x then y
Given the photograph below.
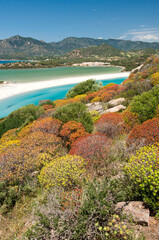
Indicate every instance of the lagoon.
{"type": "Point", "coordinates": [12, 103]}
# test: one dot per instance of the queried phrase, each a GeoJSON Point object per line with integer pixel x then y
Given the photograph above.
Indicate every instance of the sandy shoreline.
{"type": "Point", "coordinates": [12, 89]}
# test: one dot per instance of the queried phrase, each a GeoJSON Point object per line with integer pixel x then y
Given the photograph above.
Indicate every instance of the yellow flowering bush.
{"type": "Point", "coordinates": [143, 172]}
{"type": "Point", "coordinates": [63, 171]}
{"type": "Point", "coordinates": [95, 115]}
{"type": "Point", "coordinates": [80, 97]}
{"type": "Point", "coordinates": [155, 78]}
{"type": "Point", "coordinates": [96, 99]}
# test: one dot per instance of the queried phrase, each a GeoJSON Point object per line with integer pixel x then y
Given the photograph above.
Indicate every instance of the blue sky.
{"type": "Point", "coordinates": [54, 20]}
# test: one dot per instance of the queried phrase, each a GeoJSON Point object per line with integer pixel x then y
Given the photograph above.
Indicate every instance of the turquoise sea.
{"type": "Point", "coordinates": [12, 103]}
{"type": "Point", "coordinates": [32, 75]}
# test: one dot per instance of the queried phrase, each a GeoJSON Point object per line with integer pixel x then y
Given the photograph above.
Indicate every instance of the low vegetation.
{"type": "Point", "coordinates": [68, 167]}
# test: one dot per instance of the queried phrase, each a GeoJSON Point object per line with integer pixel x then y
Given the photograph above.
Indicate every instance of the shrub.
{"type": "Point", "coordinates": [84, 87]}
{"type": "Point", "coordinates": [93, 148]}
{"type": "Point", "coordinates": [63, 102]}
{"type": "Point", "coordinates": [19, 117]}
{"type": "Point", "coordinates": [75, 112]}
{"type": "Point", "coordinates": [18, 160]}
{"type": "Point", "coordinates": [155, 78]}
{"type": "Point", "coordinates": [46, 125]}
{"type": "Point", "coordinates": [71, 131]}
{"type": "Point", "coordinates": [95, 115]}
{"type": "Point", "coordinates": [105, 97]}
{"type": "Point", "coordinates": [145, 73]}
{"type": "Point", "coordinates": [47, 106]}
{"type": "Point", "coordinates": [80, 97]}
{"type": "Point", "coordinates": [96, 99]}
{"type": "Point", "coordinates": [130, 119]}
{"type": "Point", "coordinates": [146, 133]}
{"type": "Point", "coordinates": [142, 170]}
{"type": "Point", "coordinates": [48, 102]}
{"type": "Point", "coordinates": [110, 124]}
{"type": "Point", "coordinates": [63, 172]}
{"type": "Point", "coordinates": [145, 105]}
{"type": "Point", "coordinates": [90, 96]}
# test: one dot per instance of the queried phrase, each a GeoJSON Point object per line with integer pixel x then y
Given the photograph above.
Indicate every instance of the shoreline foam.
{"type": "Point", "coordinates": [12, 89]}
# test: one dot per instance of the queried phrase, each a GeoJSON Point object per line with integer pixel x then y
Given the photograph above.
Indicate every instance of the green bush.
{"type": "Point", "coordinates": [19, 117]}
{"type": "Point", "coordinates": [142, 171]}
{"type": "Point", "coordinates": [146, 104]}
{"type": "Point", "coordinates": [75, 112]}
{"type": "Point", "coordinates": [84, 87]}
{"type": "Point", "coordinates": [48, 102]}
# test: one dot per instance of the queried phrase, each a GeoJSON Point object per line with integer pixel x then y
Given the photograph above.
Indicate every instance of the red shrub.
{"type": "Point", "coordinates": [121, 89]}
{"type": "Point", "coordinates": [93, 148]}
{"type": "Point", "coordinates": [71, 131]}
{"type": "Point", "coordinates": [110, 124]}
{"type": "Point", "coordinates": [114, 118]}
{"type": "Point", "coordinates": [146, 133]}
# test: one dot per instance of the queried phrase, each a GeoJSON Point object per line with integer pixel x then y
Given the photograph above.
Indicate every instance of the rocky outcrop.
{"type": "Point", "coordinates": [96, 106]}
{"type": "Point", "coordinates": [136, 210]}
{"type": "Point", "coordinates": [114, 109]}
{"type": "Point", "coordinates": [116, 102]}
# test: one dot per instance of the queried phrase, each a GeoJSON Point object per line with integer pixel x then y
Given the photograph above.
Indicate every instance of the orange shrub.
{"type": "Point", "coordinates": [63, 102]}
{"type": "Point", "coordinates": [145, 73]}
{"type": "Point", "coordinates": [113, 87]}
{"type": "Point", "coordinates": [90, 96]}
{"type": "Point", "coordinates": [145, 134]}
{"type": "Point", "coordinates": [114, 118]}
{"type": "Point", "coordinates": [121, 89]}
{"type": "Point", "coordinates": [47, 106]}
{"type": "Point", "coordinates": [71, 131]}
{"type": "Point", "coordinates": [19, 160]}
{"type": "Point", "coordinates": [106, 97]}
{"type": "Point", "coordinates": [47, 125]}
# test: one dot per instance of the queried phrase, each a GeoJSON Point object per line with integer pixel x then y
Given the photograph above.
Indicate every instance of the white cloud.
{"type": "Point", "coordinates": [142, 34]}
{"type": "Point", "coordinates": [122, 37]}
{"type": "Point", "coordinates": [100, 38]}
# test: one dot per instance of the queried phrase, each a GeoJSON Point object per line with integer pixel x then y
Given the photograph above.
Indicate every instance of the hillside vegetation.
{"type": "Point", "coordinates": [64, 167]}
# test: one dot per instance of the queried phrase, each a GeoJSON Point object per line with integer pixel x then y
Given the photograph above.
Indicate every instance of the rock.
{"type": "Point", "coordinates": [96, 106]}
{"type": "Point", "coordinates": [135, 209]}
{"type": "Point", "coordinates": [114, 109]}
{"type": "Point", "coordinates": [116, 102]}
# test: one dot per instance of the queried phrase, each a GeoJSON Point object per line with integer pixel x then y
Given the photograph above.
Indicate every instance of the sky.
{"type": "Point", "coordinates": [54, 20]}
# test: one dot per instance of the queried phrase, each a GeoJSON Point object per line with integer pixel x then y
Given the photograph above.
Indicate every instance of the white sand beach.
{"type": "Point", "coordinates": [12, 89]}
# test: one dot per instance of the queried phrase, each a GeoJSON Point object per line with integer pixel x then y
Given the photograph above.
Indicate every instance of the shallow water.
{"type": "Point", "coordinates": [12, 103]}
{"type": "Point", "coordinates": [34, 75]}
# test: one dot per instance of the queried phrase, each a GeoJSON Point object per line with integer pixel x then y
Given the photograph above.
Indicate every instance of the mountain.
{"type": "Point", "coordinates": [128, 45]}
{"type": "Point", "coordinates": [22, 46]}
{"type": "Point", "coordinates": [26, 47]}
{"type": "Point", "coordinates": [97, 52]}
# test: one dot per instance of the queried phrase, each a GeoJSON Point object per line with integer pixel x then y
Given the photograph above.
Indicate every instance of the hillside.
{"type": "Point", "coordinates": [84, 167]}
{"type": "Point", "coordinates": [18, 47]}
{"type": "Point", "coordinates": [102, 51]}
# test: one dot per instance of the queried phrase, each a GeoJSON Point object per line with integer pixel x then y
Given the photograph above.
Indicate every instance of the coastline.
{"type": "Point", "coordinates": [12, 89]}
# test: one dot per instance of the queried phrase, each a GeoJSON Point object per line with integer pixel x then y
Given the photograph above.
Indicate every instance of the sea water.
{"type": "Point", "coordinates": [12, 103]}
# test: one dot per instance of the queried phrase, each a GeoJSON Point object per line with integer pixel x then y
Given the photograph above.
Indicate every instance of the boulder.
{"type": "Point", "coordinates": [114, 109]}
{"type": "Point", "coordinates": [139, 213]}
{"type": "Point", "coordinates": [96, 106]}
{"type": "Point", "coordinates": [116, 102]}
{"type": "Point", "coordinates": [43, 101]}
